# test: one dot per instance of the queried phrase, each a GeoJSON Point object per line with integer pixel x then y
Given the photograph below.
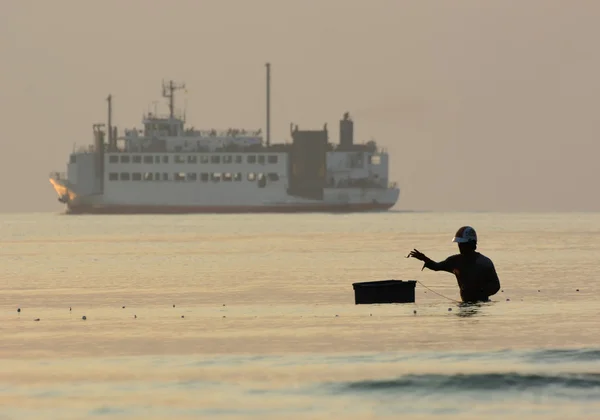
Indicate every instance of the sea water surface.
{"type": "Point", "coordinates": [253, 316]}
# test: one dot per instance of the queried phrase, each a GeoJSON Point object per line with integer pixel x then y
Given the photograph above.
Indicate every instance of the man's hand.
{"type": "Point", "coordinates": [417, 254]}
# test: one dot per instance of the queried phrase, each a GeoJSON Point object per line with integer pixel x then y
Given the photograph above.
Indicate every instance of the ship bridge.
{"type": "Point", "coordinates": [162, 126]}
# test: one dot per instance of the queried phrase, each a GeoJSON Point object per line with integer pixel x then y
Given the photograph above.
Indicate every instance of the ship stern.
{"type": "Point", "coordinates": [61, 185]}
{"type": "Point", "coordinates": [393, 194]}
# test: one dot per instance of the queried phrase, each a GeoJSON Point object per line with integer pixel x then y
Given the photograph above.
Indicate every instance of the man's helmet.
{"type": "Point", "coordinates": [465, 234]}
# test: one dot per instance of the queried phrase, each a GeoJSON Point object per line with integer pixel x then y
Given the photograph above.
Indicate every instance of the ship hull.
{"type": "Point", "coordinates": [234, 209]}
{"type": "Point", "coordinates": [231, 198]}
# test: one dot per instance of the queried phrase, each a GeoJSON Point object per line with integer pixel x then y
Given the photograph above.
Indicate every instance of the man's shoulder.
{"type": "Point", "coordinates": [454, 258]}
{"type": "Point", "coordinates": [484, 260]}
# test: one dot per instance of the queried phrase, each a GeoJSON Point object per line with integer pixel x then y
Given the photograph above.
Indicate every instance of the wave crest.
{"type": "Point", "coordinates": [479, 382]}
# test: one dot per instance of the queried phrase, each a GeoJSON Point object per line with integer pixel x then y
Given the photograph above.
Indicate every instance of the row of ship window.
{"type": "Point", "coordinates": [260, 159]}
{"type": "Point", "coordinates": [190, 176]}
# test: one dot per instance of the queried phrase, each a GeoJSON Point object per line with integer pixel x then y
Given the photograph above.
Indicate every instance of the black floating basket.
{"type": "Point", "coordinates": [384, 291]}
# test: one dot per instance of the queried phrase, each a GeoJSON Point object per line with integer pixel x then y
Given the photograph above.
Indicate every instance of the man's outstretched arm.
{"type": "Point", "coordinates": [445, 265]}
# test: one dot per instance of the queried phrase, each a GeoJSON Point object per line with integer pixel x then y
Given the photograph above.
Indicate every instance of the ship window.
{"type": "Point", "coordinates": [72, 159]}
{"type": "Point", "coordinates": [148, 176]}
{"type": "Point", "coordinates": [178, 176]}
{"type": "Point", "coordinates": [156, 159]}
{"type": "Point", "coordinates": [113, 176]}
{"type": "Point", "coordinates": [113, 159]}
{"type": "Point", "coordinates": [227, 177]}
{"type": "Point", "coordinates": [273, 176]}
{"type": "Point", "coordinates": [165, 176]}
{"type": "Point", "coordinates": [148, 159]}
{"type": "Point", "coordinates": [272, 159]}
{"type": "Point", "coordinates": [215, 176]}
{"type": "Point", "coordinates": [262, 180]}
{"type": "Point", "coordinates": [215, 159]}
{"type": "Point", "coordinates": [124, 175]}
{"type": "Point", "coordinates": [157, 176]}
{"type": "Point", "coordinates": [179, 159]}
{"type": "Point", "coordinates": [203, 159]}
{"type": "Point", "coordinates": [192, 176]}
{"type": "Point", "coordinates": [375, 160]}
{"type": "Point", "coordinates": [165, 159]}
{"type": "Point", "coordinates": [238, 159]}
{"type": "Point", "coordinates": [204, 177]}
{"type": "Point", "coordinates": [136, 176]}
{"type": "Point", "coordinates": [251, 159]}
{"type": "Point", "coordinates": [192, 159]}
{"type": "Point", "coordinates": [251, 176]}
{"type": "Point", "coordinates": [237, 176]}
{"type": "Point", "coordinates": [137, 159]}
{"type": "Point", "coordinates": [261, 159]}
{"type": "Point", "coordinates": [227, 159]}
{"type": "Point", "coordinates": [125, 159]}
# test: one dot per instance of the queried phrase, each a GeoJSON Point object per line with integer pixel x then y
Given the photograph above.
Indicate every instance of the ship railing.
{"type": "Point", "coordinates": [191, 132]}
{"type": "Point", "coordinates": [84, 149]}
{"type": "Point", "coordinates": [393, 185]}
{"type": "Point", "coordinates": [58, 176]}
{"type": "Point", "coordinates": [154, 117]}
{"type": "Point", "coordinates": [132, 132]}
{"type": "Point", "coordinates": [222, 133]}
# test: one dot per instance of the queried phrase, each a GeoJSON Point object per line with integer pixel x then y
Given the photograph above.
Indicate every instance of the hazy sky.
{"type": "Point", "coordinates": [483, 105]}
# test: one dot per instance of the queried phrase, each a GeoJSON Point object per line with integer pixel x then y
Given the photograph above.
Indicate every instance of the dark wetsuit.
{"type": "Point", "coordinates": [475, 274]}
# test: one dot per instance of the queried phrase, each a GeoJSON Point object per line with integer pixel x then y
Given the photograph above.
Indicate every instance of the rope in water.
{"type": "Point", "coordinates": [439, 294]}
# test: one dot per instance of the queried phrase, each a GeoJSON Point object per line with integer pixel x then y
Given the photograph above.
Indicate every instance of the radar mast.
{"type": "Point", "coordinates": [169, 92]}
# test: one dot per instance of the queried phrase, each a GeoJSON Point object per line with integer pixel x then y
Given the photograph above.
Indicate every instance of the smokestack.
{"type": "Point", "coordinates": [268, 65]}
{"type": "Point", "coordinates": [346, 132]}
{"type": "Point", "coordinates": [99, 155]}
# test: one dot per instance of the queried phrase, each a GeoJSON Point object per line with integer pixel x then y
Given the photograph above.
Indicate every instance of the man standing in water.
{"type": "Point", "coordinates": [475, 273]}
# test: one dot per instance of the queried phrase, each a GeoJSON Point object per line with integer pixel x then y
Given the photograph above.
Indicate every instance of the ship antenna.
{"type": "Point", "coordinates": [268, 65]}
{"type": "Point", "coordinates": [169, 92]}
{"type": "Point", "coordinates": [110, 129]}
{"type": "Point", "coordinates": [185, 105]}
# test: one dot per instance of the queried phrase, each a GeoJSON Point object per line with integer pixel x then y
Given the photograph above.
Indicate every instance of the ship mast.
{"type": "Point", "coordinates": [169, 92]}
{"type": "Point", "coordinates": [268, 65]}
{"type": "Point", "coordinates": [110, 129]}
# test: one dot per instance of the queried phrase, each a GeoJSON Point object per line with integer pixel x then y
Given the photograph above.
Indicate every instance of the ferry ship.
{"type": "Point", "coordinates": [167, 167]}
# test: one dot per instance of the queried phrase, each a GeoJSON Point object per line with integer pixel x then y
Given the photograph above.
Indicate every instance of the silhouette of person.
{"type": "Point", "coordinates": [475, 273]}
